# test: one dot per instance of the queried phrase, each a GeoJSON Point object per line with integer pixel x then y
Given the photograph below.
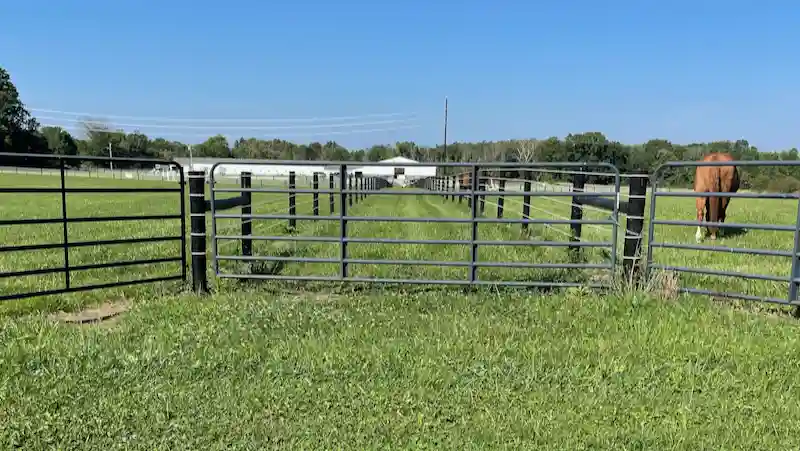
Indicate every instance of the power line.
{"type": "Point", "coordinates": [77, 128]}
{"type": "Point", "coordinates": [219, 120]}
{"type": "Point", "coordinates": [236, 127]}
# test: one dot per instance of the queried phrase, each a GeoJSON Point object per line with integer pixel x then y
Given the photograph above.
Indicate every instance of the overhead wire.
{"type": "Point", "coordinates": [220, 120]}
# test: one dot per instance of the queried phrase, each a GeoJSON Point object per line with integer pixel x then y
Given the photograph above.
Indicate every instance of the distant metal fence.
{"type": "Point", "coordinates": [791, 280]}
{"type": "Point", "coordinates": [69, 242]}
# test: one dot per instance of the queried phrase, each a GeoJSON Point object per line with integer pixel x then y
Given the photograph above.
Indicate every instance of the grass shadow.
{"type": "Point", "coordinates": [732, 232]}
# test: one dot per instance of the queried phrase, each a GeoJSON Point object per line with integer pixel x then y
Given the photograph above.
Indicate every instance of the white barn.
{"type": "Point", "coordinates": [400, 170]}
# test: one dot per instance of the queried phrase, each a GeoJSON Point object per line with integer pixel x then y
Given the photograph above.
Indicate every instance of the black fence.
{"type": "Point", "coordinates": [68, 242]}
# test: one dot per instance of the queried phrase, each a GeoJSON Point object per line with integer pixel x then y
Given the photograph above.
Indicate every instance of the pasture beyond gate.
{"type": "Point", "coordinates": [474, 224]}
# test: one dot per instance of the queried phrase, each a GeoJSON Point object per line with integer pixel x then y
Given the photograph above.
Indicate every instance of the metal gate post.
{"type": "Point", "coordinates": [343, 199]}
{"type": "Point", "coordinates": [315, 196]}
{"type": "Point", "coordinates": [795, 275]}
{"type": "Point", "coordinates": [473, 254]}
{"type": "Point", "coordinates": [197, 214]}
{"type": "Point", "coordinates": [247, 209]}
{"type": "Point", "coordinates": [634, 223]}
{"type": "Point", "coordinates": [292, 206]}
{"type": "Point", "coordinates": [501, 200]}
{"type": "Point", "coordinates": [578, 183]}
{"type": "Point", "coordinates": [526, 199]}
{"type": "Point", "coordinates": [331, 199]}
{"type": "Point", "coordinates": [64, 223]}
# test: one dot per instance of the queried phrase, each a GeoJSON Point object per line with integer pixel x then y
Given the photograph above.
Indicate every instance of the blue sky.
{"type": "Point", "coordinates": [635, 70]}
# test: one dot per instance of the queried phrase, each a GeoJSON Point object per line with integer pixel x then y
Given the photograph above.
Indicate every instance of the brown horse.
{"type": "Point", "coordinates": [465, 181]}
{"type": "Point", "coordinates": [714, 179]}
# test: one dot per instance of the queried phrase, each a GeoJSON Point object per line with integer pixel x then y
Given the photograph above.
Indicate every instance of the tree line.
{"type": "Point", "coordinates": [20, 132]}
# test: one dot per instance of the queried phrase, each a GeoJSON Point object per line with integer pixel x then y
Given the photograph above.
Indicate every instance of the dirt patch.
{"type": "Point", "coordinates": [106, 314]}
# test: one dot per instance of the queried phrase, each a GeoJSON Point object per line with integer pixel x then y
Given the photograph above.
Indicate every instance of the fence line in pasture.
{"type": "Point", "coordinates": [494, 193]}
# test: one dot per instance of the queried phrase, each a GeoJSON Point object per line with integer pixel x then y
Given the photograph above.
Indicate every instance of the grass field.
{"type": "Point", "coordinates": [290, 366]}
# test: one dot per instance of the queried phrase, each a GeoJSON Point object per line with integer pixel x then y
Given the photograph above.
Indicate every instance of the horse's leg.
{"type": "Point", "coordinates": [700, 204]}
{"type": "Point", "coordinates": [723, 210]}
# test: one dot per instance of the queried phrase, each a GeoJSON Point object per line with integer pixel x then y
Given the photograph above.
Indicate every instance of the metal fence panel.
{"type": "Point", "coordinates": [791, 280]}
{"type": "Point", "coordinates": [357, 187]}
{"type": "Point", "coordinates": [69, 242]}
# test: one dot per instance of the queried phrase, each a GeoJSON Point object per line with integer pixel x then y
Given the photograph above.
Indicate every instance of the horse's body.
{"type": "Point", "coordinates": [714, 179]}
{"type": "Point", "coordinates": [465, 181]}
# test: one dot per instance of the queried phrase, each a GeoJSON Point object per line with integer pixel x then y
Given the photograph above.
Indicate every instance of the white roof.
{"type": "Point", "coordinates": [399, 160]}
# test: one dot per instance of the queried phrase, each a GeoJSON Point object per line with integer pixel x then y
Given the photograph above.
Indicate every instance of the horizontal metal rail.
{"type": "Point", "coordinates": [414, 219]}
{"type": "Point", "coordinates": [73, 244]}
{"type": "Point", "coordinates": [721, 273]}
{"type": "Point", "coordinates": [34, 190]}
{"type": "Point", "coordinates": [721, 249]}
{"type": "Point", "coordinates": [99, 286]}
{"type": "Point", "coordinates": [532, 243]}
{"type": "Point", "coordinates": [363, 164]}
{"type": "Point", "coordinates": [724, 225]}
{"type": "Point", "coordinates": [409, 192]}
{"type": "Point", "coordinates": [724, 194]}
{"type": "Point", "coordinates": [362, 261]}
{"type": "Point", "coordinates": [123, 264]}
{"type": "Point", "coordinates": [499, 283]}
{"type": "Point", "coordinates": [86, 219]}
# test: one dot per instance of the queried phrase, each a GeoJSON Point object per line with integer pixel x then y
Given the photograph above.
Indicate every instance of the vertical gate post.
{"type": "Point", "coordinates": [247, 209]}
{"type": "Point", "coordinates": [473, 252]}
{"type": "Point", "coordinates": [315, 187]}
{"type": "Point", "coordinates": [460, 189]}
{"type": "Point", "coordinates": [634, 223]}
{"type": "Point", "coordinates": [197, 215]}
{"type": "Point", "coordinates": [64, 221]}
{"type": "Point", "coordinates": [332, 206]}
{"type": "Point", "coordinates": [481, 197]}
{"type": "Point", "coordinates": [343, 199]}
{"type": "Point", "coordinates": [578, 183]}
{"type": "Point", "coordinates": [350, 188]}
{"type": "Point", "coordinates": [358, 177]}
{"type": "Point", "coordinates": [795, 273]}
{"type": "Point", "coordinates": [292, 205]}
{"type": "Point", "coordinates": [526, 199]}
{"type": "Point", "coordinates": [501, 201]}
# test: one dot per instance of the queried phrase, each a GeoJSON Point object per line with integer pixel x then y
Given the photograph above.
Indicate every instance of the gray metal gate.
{"type": "Point", "coordinates": [67, 241]}
{"type": "Point", "coordinates": [337, 215]}
{"type": "Point", "coordinates": [771, 283]}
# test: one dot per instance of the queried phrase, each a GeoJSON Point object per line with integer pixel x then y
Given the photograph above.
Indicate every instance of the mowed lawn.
{"type": "Point", "coordinates": [321, 367]}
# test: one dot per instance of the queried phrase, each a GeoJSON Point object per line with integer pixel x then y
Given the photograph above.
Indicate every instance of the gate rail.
{"type": "Point", "coordinates": [792, 281]}
{"type": "Point", "coordinates": [66, 244]}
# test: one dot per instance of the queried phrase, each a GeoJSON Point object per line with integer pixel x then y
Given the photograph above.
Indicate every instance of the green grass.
{"type": "Point", "coordinates": [318, 366]}
{"type": "Point", "coordinates": [433, 371]}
